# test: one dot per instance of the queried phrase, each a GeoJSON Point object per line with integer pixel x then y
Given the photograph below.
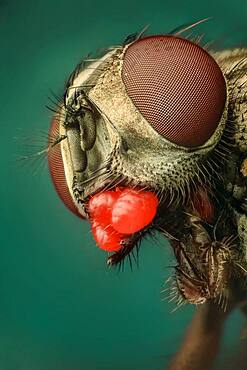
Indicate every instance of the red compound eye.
{"type": "Point", "coordinates": [177, 86]}
{"type": "Point", "coordinates": [56, 168]}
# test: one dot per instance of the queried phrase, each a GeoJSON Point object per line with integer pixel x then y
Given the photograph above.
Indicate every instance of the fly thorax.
{"type": "Point", "coordinates": [234, 66]}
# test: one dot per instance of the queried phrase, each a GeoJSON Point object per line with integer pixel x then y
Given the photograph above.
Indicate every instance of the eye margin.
{"type": "Point", "coordinates": [56, 169]}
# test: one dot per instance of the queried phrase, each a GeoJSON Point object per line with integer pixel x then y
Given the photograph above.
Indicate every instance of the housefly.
{"type": "Point", "coordinates": [165, 116]}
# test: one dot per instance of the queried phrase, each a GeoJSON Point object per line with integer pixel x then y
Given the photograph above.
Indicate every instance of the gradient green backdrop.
{"type": "Point", "coordinates": [61, 308]}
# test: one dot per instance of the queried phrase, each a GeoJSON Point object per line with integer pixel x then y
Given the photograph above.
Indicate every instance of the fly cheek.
{"type": "Point", "coordinates": [177, 87]}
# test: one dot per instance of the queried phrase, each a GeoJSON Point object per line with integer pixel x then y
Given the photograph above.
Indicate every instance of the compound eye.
{"type": "Point", "coordinates": [177, 87]}
{"type": "Point", "coordinates": [55, 163]}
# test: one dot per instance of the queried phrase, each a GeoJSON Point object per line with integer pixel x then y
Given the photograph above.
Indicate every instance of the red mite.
{"type": "Point", "coordinates": [117, 214]}
{"type": "Point", "coordinates": [203, 207]}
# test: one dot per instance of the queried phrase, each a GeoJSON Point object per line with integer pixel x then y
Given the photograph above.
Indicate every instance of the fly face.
{"type": "Point", "coordinates": [147, 112]}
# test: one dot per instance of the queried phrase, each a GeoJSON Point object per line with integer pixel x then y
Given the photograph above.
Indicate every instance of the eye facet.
{"type": "Point", "coordinates": [177, 87]}
{"type": "Point", "coordinates": [55, 162]}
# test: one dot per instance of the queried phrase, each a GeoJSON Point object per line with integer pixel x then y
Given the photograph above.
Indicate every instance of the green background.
{"type": "Point", "coordinates": [61, 308]}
